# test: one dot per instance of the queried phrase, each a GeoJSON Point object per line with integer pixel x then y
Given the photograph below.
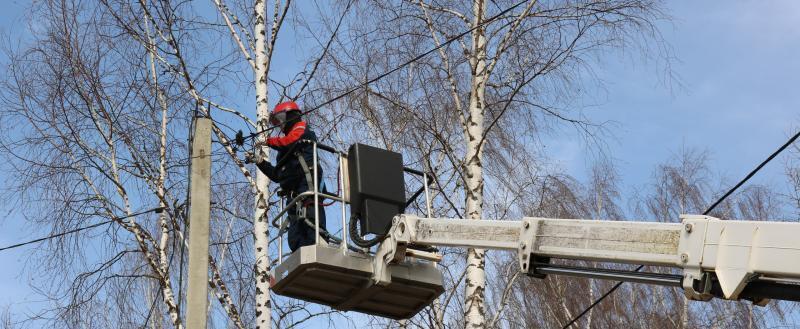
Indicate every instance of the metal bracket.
{"type": "Point", "coordinates": [527, 238]}
{"type": "Point", "coordinates": [696, 284]}
{"type": "Point", "coordinates": [391, 250]}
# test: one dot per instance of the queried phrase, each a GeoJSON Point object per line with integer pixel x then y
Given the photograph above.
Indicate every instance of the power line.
{"type": "Point", "coordinates": [609, 292]}
{"type": "Point", "coordinates": [78, 229]}
{"type": "Point", "coordinates": [714, 205]}
{"type": "Point", "coordinates": [153, 306]}
{"type": "Point", "coordinates": [752, 173]}
{"type": "Point", "coordinates": [384, 74]}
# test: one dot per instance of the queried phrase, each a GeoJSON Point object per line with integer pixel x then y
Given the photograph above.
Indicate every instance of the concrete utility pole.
{"type": "Point", "coordinates": [199, 214]}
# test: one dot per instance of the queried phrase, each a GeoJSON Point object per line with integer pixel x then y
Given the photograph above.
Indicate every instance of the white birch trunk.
{"type": "Point", "coordinates": [260, 223]}
{"type": "Point", "coordinates": [163, 269]}
{"type": "Point", "coordinates": [474, 308]}
{"type": "Point", "coordinates": [685, 305]}
{"type": "Point", "coordinates": [162, 176]}
{"type": "Point", "coordinates": [598, 198]}
{"type": "Point", "coordinates": [685, 314]}
{"type": "Point", "coordinates": [591, 300]}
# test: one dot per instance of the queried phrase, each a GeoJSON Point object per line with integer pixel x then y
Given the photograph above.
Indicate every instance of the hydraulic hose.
{"type": "Point", "coordinates": [328, 236]}
{"type": "Point", "coordinates": [358, 239]}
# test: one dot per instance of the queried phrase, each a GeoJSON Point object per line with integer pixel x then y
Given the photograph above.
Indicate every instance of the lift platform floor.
{"type": "Point", "coordinates": [325, 275]}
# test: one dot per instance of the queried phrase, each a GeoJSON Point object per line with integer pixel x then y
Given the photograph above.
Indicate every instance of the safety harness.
{"type": "Point", "coordinates": [301, 209]}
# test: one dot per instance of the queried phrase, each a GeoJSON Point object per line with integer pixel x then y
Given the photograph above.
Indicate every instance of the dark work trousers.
{"type": "Point", "coordinates": [300, 233]}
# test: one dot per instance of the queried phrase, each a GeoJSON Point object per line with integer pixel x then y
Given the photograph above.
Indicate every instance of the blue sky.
{"type": "Point", "coordinates": [738, 97]}
{"type": "Point", "coordinates": [13, 283]}
{"type": "Point", "coordinates": [739, 71]}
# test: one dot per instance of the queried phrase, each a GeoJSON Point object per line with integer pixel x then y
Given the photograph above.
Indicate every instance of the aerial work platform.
{"type": "Point", "coordinates": [342, 276]}
{"type": "Point", "coordinates": [394, 273]}
{"type": "Point", "coordinates": [343, 281]}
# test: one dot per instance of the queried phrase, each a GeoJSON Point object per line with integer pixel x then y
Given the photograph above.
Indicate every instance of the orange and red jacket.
{"type": "Point", "coordinates": [288, 172]}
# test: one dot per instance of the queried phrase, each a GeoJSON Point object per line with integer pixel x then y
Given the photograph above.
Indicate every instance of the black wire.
{"type": "Point", "coordinates": [356, 237]}
{"type": "Point", "coordinates": [609, 292]}
{"type": "Point", "coordinates": [384, 74]}
{"type": "Point", "coordinates": [725, 196]}
{"type": "Point", "coordinates": [55, 235]}
{"type": "Point", "coordinates": [152, 307]}
{"type": "Point", "coordinates": [78, 229]}
{"type": "Point", "coordinates": [752, 173]}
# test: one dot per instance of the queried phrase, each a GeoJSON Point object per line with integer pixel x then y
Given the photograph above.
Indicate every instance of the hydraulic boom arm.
{"type": "Point", "coordinates": [725, 259]}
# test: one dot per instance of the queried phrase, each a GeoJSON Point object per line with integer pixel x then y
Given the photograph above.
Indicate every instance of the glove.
{"type": "Point", "coordinates": [250, 157]}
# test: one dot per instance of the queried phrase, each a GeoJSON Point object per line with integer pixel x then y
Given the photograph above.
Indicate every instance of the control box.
{"type": "Point", "coordinates": [377, 188]}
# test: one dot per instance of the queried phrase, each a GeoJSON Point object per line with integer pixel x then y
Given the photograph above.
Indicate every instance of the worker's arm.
{"type": "Point", "coordinates": [293, 136]}
{"type": "Point", "coordinates": [262, 164]}
{"type": "Point", "coordinates": [268, 169]}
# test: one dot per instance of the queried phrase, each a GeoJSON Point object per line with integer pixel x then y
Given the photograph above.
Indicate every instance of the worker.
{"type": "Point", "coordinates": [293, 171]}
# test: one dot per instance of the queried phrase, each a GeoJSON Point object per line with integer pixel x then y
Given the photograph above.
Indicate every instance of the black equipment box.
{"type": "Point", "coordinates": [377, 187]}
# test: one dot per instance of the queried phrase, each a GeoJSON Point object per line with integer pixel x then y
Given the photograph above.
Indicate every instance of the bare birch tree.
{"type": "Point", "coordinates": [501, 83]}
{"type": "Point", "coordinates": [97, 107]}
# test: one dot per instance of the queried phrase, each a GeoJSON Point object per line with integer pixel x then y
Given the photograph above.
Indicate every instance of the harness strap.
{"type": "Point", "coordinates": [309, 178]}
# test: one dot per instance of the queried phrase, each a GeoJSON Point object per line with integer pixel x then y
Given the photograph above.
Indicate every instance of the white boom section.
{"type": "Point", "coordinates": [735, 252]}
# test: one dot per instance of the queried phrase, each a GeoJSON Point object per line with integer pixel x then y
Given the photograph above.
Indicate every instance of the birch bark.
{"type": "Point", "coordinates": [260, 224]}
{"type": "Point", "coordinates": [474, 308]}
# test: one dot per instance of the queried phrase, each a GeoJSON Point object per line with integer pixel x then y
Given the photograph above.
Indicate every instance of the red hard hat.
{"type": "Point", "coordinates": [278, 115]}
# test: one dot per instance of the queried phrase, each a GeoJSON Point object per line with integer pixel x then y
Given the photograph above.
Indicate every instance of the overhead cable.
{"type": "Point", "coordinates": [79, 229]}
{"type": "Point", "coordinates": [752, 173]}
{"type": "Point", "coordinates": [384, 74]}
{"type": "Point", "coordinates": [708, 211]}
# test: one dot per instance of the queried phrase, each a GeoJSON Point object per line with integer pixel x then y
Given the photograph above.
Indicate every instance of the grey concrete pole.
{"type": "Point", "coordinates": [199, 213]}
